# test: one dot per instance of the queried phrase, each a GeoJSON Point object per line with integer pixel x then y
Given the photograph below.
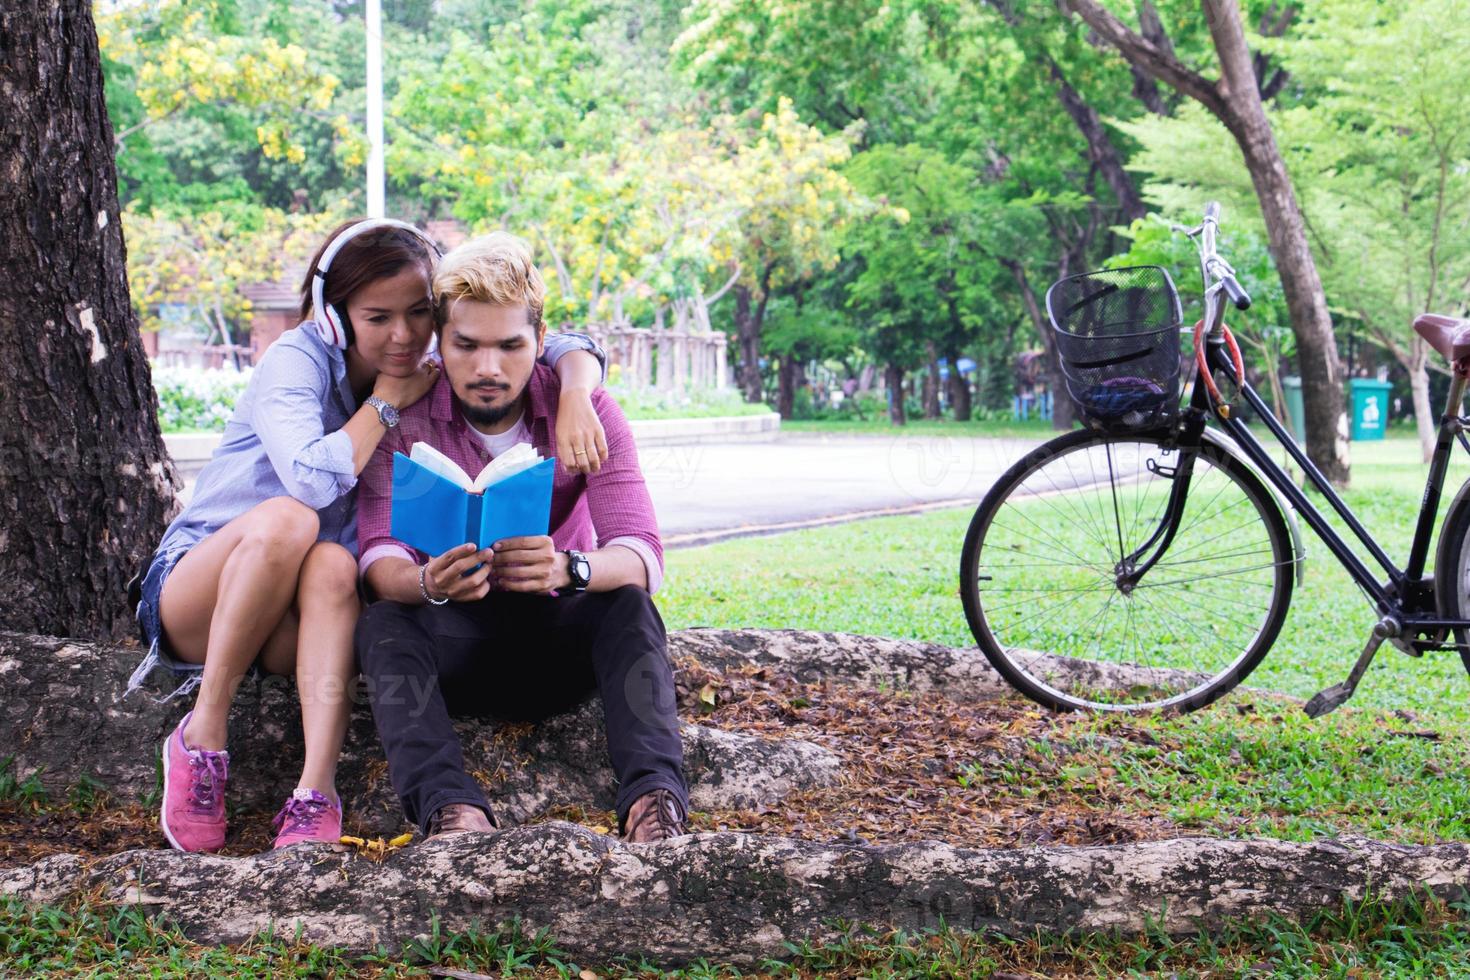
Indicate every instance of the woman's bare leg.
{"type": "Point", "coordinates": [326, 602]}
{"type": "Point", "coordinates": [226, 597]}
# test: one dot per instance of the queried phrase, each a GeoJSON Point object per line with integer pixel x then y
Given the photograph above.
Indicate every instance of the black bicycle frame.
{"type": "Point", "coordinates": [1406, 595]}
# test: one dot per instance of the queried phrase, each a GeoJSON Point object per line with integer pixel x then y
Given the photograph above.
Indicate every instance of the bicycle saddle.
{"type": "Point", "coordinates": [1447, 334]}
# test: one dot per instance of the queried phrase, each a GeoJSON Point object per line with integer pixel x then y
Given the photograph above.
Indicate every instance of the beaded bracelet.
{"type": "Point", "coordinates": [424, 589]}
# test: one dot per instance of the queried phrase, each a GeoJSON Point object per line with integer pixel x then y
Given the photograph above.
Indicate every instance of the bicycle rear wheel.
{"type": "Point", "coordinates": [1452, 569]}
{"type": "Point", "coordinates": [1045, 575]}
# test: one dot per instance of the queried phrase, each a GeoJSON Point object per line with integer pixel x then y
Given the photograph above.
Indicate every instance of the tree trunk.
{"type": "Point", "coordinates": [1063, 413]}
{"type": "Point", "coordinates": [749, 338]}
{"type": "Point", "coordinates": [1424, 420]}
{"type": "Point", "coordinates": [893, 380]}
{"type": "Point", "coordinates": [1322, 394]}
{"type": "Point", "coordinates": [1145, 90]}
{"type": "Point", "coordinates": [1235, 99]}
{"type": "Point", "coordinates": [1100, 149]}
{"type": "Point", "coordinates": [786, 385]}
{"type": "Point", "coordinates": [931, 381]}
{"type": "Point", "coordinates": [959, 388]}
{"type": "Point", "coordinates": [86, 486]}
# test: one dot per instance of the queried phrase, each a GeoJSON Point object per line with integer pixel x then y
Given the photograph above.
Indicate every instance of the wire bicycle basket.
{"type": "Point", "coordinates": [1117, 337]}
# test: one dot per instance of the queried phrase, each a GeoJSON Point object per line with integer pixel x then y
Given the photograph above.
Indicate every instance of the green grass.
{"type": "Point", "coordinates": [899, 577]}
{"type": "Point", "coordinates": [1390, 764]}
{"type": "Point", "coordinates": [27, 792]}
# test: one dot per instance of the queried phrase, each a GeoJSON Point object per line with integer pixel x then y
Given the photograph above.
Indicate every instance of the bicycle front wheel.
{"type": "Point", "coordinates": [1050, 583]}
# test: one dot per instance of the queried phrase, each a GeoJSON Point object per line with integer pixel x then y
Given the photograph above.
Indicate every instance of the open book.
{"type": "Point", "coordinates": [438, 506]}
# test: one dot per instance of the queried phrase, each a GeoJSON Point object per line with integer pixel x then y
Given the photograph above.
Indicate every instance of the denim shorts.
{"type": "Point", "coordinates": [150, 625]}
{"type": "Point", "coordinates": [150, 629]}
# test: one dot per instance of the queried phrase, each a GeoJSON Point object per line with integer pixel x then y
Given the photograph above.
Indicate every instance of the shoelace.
{"type": "Point", "coordinates": [664, 813]}
{"type": "Point", "coordinates": [209, 771]}
{"type": "Point", "coordinates": [301, 815]}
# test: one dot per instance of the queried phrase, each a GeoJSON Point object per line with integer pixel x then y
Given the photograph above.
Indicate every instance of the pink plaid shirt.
{"type": "Point", "coordinates": [609, 507]}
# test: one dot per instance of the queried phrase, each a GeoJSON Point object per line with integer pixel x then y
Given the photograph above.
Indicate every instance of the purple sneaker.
{"type": "Point", "coordinates": [193, 813]}
{"type": "Point", "coordinates": [308, 815]}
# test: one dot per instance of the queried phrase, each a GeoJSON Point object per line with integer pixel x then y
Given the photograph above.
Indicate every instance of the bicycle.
{"type": "Point", "coordinates": [1147, 561]}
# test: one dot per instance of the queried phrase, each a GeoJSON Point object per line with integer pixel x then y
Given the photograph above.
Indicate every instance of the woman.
{"type": "Point", "coordinates": [260, 568]}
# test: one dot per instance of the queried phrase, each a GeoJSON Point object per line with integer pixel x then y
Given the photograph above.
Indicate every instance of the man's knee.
{"type": "Point", "coordinates": [631, 603]}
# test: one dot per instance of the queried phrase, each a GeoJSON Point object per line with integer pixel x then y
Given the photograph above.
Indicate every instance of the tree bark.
{"type": "Point", "coordinates": [1145, 89]}
{"type": "Point", "coordinates": [749, 338]}
{"type": "Point", "coordinates": [786, 385]}
{"type": "Point", "coordinates": [1322, 394]}
{"type": "Point", "coordinates": [1417, 364]}
{"type": "Point", "coordinates": [740, 898]}
{"type": "Point", "coordinates": [1414, 359]}
{"type": "Point", "coordinates": [959, 388]}
{"type": "Point", "coordinates": [893, 380]}
{"type": "Point", "coordinates": [1100, 149]}
{"type": "Point", "coordinates": [1063, 412]}
{"type": "Point", "coordinates": [86, 485]}
{"type": "Point", "coordinates": [1236, 101]}
{"type": "Point", "coordinates": [750, 313]}
{"type": "Point", "coordinates": [931, 381]}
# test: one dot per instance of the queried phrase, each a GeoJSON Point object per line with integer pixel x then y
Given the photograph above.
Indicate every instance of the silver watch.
{"type": "Point", "coordinates": [387, 414]}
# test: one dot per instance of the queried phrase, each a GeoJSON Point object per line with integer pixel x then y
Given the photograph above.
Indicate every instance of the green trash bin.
{"type": "Point", "coordinates": [1370, 407]}
{"type": "Point", "coordinates": [1291, 387]}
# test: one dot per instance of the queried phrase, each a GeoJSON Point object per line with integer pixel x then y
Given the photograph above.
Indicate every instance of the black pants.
{"type": "Point", "coordinates": [519, 657]}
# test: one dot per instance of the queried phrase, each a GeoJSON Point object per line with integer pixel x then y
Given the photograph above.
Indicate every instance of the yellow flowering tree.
{"type": "Point", "coordinates": [182, 57]}
{"type": "Point", "coordinates": [199, 261]}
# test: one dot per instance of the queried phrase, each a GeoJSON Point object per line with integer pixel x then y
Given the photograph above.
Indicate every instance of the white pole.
{"type": "Point", "coordinates": [375, 178]}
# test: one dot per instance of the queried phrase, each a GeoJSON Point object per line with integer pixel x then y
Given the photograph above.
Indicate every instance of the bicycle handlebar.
{"type": "Point", "coordinates": [1212, 265]}
{"type": "Point", "coordinates": [1238, 295]}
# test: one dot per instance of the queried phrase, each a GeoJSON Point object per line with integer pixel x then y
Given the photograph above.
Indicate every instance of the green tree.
{"type": "Point", "coordinates": [1013, 94]}
{"type": "Point", "coordinates": [1236, 99]}
{"type": "Point", "coordinates": [203, 93]}
{"type": "Point", "coordinates": [925, 277]}
{"type": "Point", "coordinates": [1379, 149]}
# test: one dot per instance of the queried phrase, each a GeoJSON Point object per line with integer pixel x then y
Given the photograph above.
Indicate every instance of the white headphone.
{"type": "Point", "coordinates": [333, 327]}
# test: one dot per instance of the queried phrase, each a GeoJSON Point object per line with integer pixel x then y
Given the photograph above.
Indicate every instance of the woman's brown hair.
{"type": "Point", "coordinates": [373, 255]}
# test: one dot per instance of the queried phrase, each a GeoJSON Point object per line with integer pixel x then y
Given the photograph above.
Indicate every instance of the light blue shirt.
{"type": "Point", "coordinates": [286, 440]}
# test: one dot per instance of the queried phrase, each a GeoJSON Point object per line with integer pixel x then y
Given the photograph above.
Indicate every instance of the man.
{"type": "Point", "coordinates": [481, 631]}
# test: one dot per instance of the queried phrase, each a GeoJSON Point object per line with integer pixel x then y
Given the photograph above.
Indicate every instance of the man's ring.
{"type": "Point", "coordinates": [579, 452]}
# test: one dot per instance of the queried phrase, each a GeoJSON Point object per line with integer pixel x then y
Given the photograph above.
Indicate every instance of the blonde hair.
{"type": "Point", "coordinates": [494, 268]}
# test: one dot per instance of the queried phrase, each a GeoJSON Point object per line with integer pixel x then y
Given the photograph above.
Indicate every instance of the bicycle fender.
{"type": "Point", "coordinates": [1229, 446]}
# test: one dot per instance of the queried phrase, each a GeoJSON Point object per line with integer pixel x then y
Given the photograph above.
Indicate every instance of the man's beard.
{"type": "Point", "coordinates": [482, 415]}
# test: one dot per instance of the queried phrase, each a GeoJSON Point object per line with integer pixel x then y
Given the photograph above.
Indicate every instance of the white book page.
{"type": "Point", "coordinates": [521, 456]}
{"type": "Point", "coordinates": [432, 459]}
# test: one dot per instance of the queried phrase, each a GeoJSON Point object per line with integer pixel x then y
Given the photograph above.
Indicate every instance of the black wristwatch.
{"type": "Point", "coordinates": [579, 568]}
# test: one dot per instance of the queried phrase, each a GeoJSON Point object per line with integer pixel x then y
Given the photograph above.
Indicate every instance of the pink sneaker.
{"type": "Point", "coordinates": [193, 814]}
{"type": "Point", "coordinates": [308, 815]}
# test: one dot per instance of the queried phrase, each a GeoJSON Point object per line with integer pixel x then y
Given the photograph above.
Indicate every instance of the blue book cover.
{"type": "Point", "coordinates": [434, 513]}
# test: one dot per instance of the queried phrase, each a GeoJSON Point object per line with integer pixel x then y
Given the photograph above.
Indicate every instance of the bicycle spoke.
{"type": "Point", "coordinates": [1049, 592]}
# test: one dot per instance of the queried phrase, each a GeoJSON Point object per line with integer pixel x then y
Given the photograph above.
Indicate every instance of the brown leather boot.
{"type": "Point", "coordinates": [461, 818]}
{"type": "Point", "coordinates": [654, 816]}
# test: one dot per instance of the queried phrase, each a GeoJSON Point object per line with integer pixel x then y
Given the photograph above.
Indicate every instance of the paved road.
{"type": "Point", "coordinates": [709, 491]}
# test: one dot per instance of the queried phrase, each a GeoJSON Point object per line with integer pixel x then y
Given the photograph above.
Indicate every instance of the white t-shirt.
{"type": "Point", "coordinates": [502, 441]}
